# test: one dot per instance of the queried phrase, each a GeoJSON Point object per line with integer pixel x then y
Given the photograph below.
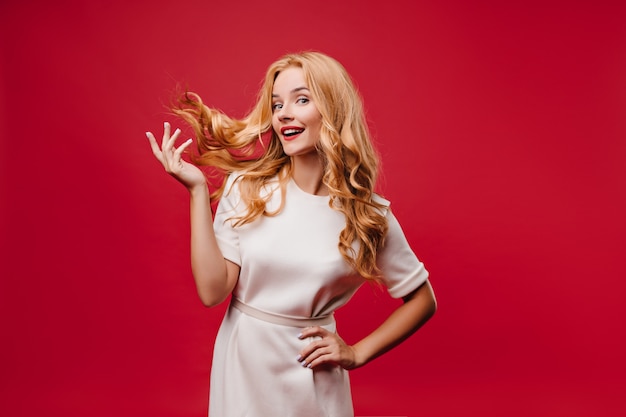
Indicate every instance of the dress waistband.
{"type": "Point", "coordinates": [279, 318]}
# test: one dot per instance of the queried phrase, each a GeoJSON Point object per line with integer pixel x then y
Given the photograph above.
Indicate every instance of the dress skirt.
{"type": "Point", "coordinates": [255, 371]}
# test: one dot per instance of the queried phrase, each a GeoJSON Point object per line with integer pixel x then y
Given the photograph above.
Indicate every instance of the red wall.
{"type": "Point", "coordinates": [503, 137]}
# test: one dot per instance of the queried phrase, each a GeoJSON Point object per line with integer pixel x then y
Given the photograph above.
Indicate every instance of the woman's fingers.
{"type": "Point", "coordinates": [156, 150]}
{"type": "Point", "coordinates": [169, 140]}
{"type": "Point", "coordinates": [166, 136]}
{"type": "Point", "coordinates": [174, 158]}
{"type": "Point", "coordinates": [330, 348]}
{"type": "Point", "coordinates": [171, 157]}
{"type": "Point", "coordinates": [313, 331]}
{"type": "Point", "coordinates": [318, 357]}
{"type": "Point", "coordinates": [178, 153]}
{"type": "Point", "coordinates": [167, 153]}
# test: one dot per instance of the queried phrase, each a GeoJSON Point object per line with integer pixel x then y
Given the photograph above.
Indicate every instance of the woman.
{"type": "Point", "coordinates": [298, 229]}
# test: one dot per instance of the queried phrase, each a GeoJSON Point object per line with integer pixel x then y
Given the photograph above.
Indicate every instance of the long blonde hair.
{"type": "Point", "coordinates": [251, 146]}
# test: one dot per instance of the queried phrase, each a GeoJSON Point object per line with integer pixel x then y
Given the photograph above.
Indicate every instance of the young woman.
{"type": "Point", "coordinates": [297, 231]}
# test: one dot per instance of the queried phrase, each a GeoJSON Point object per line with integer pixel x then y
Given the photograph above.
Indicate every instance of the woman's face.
{"type": "Point", "coordinates": [295, 118]}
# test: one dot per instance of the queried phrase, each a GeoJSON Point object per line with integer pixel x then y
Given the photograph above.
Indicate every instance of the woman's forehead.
{"type": "Point", "coordinates": [290, 80]}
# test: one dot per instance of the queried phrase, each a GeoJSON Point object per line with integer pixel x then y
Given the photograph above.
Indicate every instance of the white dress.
{"type": "Point", "coordinates": [291, 271]}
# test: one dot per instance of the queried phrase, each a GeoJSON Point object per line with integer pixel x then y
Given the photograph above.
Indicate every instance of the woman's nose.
{"type": "Point", "coordinates": [284, 113]}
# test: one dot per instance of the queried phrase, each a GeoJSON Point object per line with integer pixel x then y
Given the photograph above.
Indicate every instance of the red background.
{"type": "Point", "coordinates": [503, 138]}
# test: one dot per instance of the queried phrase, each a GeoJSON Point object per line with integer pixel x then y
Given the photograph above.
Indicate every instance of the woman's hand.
{"type": "Point", "coordinates": [418, 308]}
{"type": "Point", "coordinates": [329, 349]}
{"type": "Point", "coordinates": [171, 158]}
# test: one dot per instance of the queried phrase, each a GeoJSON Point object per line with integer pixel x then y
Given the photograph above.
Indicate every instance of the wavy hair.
{"type": "Point", "coordinates": [250, 145]}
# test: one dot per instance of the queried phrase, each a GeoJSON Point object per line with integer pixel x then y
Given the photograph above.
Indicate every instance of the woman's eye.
{"type": "Point", "coordinates": [302, 100]}
{"type": "Point", "coordinates": [276, 106]}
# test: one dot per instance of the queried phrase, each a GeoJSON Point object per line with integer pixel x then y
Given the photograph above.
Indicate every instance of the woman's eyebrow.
{"type": "Point", "coordinates": [295, 90]}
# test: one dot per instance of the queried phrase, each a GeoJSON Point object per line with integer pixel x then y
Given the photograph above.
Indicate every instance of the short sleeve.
{"type": "Point", "coordinates": [227, 235]}
{"type": "Point", "coordinates": [402, 271]}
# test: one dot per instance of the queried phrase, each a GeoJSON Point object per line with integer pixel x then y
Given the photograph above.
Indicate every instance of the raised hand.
{"type": "Point", "coordinates": [329, 349]}
{"type": "Point", "coordinates": [171, 158]}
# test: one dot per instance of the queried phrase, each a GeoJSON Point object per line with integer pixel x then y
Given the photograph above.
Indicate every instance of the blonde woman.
{"type": "Point", "coordinates": [297, 231]}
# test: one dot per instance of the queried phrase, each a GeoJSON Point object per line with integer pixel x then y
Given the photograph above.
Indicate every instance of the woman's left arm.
{"type": "Point", "coordinates": [418, 307]}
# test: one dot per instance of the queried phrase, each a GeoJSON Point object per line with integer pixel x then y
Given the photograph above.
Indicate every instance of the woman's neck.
{"type": "Point", "coordinates": [307, 173]}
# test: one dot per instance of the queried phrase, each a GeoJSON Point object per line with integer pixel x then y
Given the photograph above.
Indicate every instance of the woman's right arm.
{"type": "Point", "coordinates": [215, 276]}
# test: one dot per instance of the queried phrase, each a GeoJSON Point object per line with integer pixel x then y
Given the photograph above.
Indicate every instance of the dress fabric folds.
{"type": "Point", "coordinates": [292, 276]}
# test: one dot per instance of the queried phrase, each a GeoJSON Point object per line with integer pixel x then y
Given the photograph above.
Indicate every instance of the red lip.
{"type": "Point", "coordinates": [292, 137]}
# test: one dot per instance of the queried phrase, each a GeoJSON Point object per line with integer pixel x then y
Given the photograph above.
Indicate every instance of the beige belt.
{"type": "Point", "coordinates": [281, 319]}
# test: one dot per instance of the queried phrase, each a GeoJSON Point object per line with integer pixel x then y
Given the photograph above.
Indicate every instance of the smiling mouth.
{"type": "Point", "coordinates": [288, 133]}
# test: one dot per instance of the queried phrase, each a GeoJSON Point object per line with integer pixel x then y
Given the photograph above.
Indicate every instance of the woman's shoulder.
{"type": "Point", "coordinates": [238, 180]}
{"type": "Point", "coordinates": [230, 181]}
{"type": "Point", "coordinates": [378, 199]}
{"type": "Point", "coordinates": [382, 203]}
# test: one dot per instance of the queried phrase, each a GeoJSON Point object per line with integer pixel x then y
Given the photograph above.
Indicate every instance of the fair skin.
{"type": "Point", "coordinates": [215, 277]}
{"type": "Point", "coordinates": [296, 121]}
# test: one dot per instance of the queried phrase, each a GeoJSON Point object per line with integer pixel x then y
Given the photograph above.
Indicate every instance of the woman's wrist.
{"type": "Point", "coordinates": [199, 190]}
